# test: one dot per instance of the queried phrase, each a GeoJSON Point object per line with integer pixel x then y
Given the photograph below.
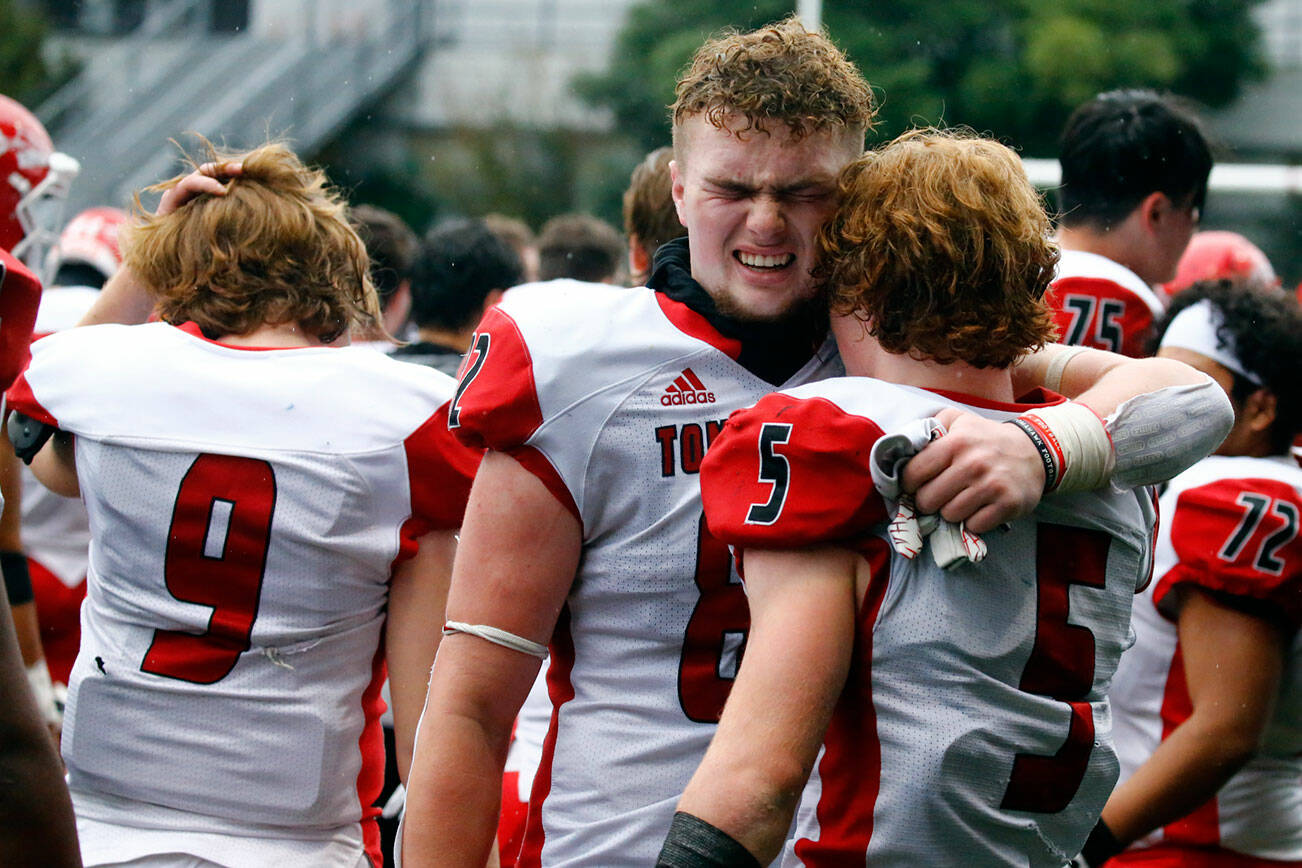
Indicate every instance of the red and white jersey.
{"type": "Point", "coordinates": [1229, 525]}
{"type": "Point", "coordinates": [611, 396]}
{"type": "Point", "coordinates": [1100, 303]}
{"type": "Point", "coordinates": [20, 295]}
{"type": "Point", "coordinates": [247, 508]}
{"type": "Point", "coordinates": [56, 532]}
{"type": "Point", "coordinates": [974, 725]}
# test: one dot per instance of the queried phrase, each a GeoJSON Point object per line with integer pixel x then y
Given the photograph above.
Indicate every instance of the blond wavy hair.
{"type": "Point", "coordinates": [781, 73]}
{"type": "Point", "coordinates": [942, 247]}
{"type": "Point", "coordinates": [276, 249]}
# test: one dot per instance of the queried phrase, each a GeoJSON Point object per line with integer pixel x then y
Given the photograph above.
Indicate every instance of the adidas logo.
{"type": "Point", "coordinates": [687, 388]}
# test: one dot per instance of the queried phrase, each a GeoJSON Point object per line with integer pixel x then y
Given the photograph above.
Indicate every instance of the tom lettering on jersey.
{"type": "Point", "coordinates": [683, 446]}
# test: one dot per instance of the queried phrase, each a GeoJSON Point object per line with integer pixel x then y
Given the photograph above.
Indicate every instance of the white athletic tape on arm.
{"type": "Point", "coordinates": [1053, 375]}
{"type": "Point", "coordinates": [497, 637]}
{"type": "Point", "coordinates": [1163, 433]}
{"type": "Point", "coordinates": [1074, 444]}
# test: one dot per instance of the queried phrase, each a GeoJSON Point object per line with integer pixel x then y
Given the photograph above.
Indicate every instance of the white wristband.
{"type": "Point", "coordinates": [1074, 444]}
{"type": "Point", "coordinates": [497, 637]}
{"type": "Point", "coordinates": [38, 678]}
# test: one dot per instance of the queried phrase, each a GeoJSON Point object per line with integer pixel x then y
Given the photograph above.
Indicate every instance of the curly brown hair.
{"type": "Point", "coordinates": [780, 73]}
{"type": "Point", "coordinates": [276, 249]}
{"type": "Point", "coordinates": [942, 247]}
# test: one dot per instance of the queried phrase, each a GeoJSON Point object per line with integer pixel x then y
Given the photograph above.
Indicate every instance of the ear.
{"type": "Point", "coordinates": [1154, 210]}
{"type": "Point", "coordinates": [639, 262]}
{"type": "Point", "coordinates": [676, 188]}
{"type": "Point", "coordinates": [1260, 410]}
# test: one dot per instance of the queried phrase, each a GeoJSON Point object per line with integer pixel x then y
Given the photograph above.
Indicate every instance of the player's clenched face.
{"type": "Point", "coordinates": [752, 206]}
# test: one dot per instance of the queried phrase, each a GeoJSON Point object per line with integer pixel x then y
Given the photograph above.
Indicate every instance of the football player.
{"type": "Point", "coordinates": [36, 824]}
{"type": "Point", "coordinates": [650, 218]}
{"type": "Point", "coordinates": [272, 516]}
{"type": "Point", "coordinates": [955, 698]}
{"type": "Point", "coordinates": [1208, 703]}
{"type": "Point", "coordinates": [585, 528]}
{"type": "Point", "coordinates": [1134, 178]}
{"type": "Point", "coordinates": [55, 533]}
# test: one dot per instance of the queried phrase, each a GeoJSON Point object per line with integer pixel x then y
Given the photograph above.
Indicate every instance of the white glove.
{"type": "Point", "coordinates": [950, 543]}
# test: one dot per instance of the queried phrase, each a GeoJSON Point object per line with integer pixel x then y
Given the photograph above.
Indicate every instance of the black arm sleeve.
{"type": "Point", "coordinates": [18, 581]}
{"type": "Point", "coordinates": [694, 843]}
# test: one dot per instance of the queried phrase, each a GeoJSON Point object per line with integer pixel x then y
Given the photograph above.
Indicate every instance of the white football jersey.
{"type": "Point", "coordinates": [1229, 525]}
{"type": "Point", "coordinates": [611, 397]}
{"type": "Point", "coordinates": [247, 508]}
{"type": "Point", "coordinates": [974, 725]}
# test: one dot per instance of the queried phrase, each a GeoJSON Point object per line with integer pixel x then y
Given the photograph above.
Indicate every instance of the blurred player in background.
{"type": "Point", "coordinates": [36, 820]}
{"type": "Point", "coordinates": [34, 181]}
{"type": "Point", "coordinates": [56, 533]}
{"type": "Point", "coordinates": [650, 218]}
{"type": "Point", "coordinates": [517, 233]}
{"type": "Point", "coordinates": [272, 516]}
{"type": "Point", "coordinates": [1222, 255]}
{"type": "Point", "coordinates": [1134, 180]}
{"type": "Point", "coordinates": [580, 247]}
{"type": "Point", "coordinates": [1208, 702]}
{"type": "Point", "coordinates": [392, 247]}
{"type": "Point", "coordinates": [461, 270]}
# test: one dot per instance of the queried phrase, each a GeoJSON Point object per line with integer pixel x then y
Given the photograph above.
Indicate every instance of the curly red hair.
{"type": "Point", "coordinates": [942, 247]}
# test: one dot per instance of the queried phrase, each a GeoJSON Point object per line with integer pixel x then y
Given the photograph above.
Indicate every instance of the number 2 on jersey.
{"type": "Point", "coordinates": [1061, 665]}
{"type": "Point", "coordinates": [216, 555]}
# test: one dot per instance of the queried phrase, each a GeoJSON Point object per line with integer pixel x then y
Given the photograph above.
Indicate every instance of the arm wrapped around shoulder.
{"type": "Point", "coordinates": [1148, 439]}
{"type": "Point", "coordinates": [1162, 433]}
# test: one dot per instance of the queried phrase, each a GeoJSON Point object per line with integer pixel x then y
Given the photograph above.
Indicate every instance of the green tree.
{"type": "Point", "coordinates": [1014, 68]}
{"type": "Point", "coordinates": [24, 73]}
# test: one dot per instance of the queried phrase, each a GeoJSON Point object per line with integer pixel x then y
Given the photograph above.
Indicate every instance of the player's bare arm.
{"type": "Point", "coordinates": [55, 466]}
{"type": "Point", "coordinates": [124, 298]}
{"type": "Point", "coordinates": [36, 825]}
{"type": "Point", "coordinates": [1233, 663]}
{"type": "Point", "coordinates": [516, 561]}
{"type": "Point", "coordinates": [749, 784]}
{"type": "Point", "coordinates": [987, 472]}
{"type": "Point", "coordinates": [418, 595]}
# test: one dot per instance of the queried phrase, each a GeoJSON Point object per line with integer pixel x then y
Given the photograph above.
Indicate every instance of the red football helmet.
{"type": "Point", "coordinates": [1214, 255]}
{"type": "Point", "coordinates": [91, 238]}
{"type": "Point", "coordinates": [34, 181]}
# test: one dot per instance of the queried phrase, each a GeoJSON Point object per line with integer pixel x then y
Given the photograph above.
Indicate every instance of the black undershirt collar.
{"type": "Point", "coordinates": [772, 351]}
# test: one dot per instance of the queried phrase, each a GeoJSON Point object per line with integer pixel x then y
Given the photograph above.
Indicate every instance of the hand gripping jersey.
{"type": "Point", "coordinates": [611, 397]}
{"type": "Point", "coordinates": [247, 508]}
{"type": "Point", "coordinates": [974, 726]}
{"type": "Point", "coordinates": [56, 532]}
{"type": "Point", "coordinates": [1229, 525]}
{"type": "Point", "coordinates": [1102, 304]}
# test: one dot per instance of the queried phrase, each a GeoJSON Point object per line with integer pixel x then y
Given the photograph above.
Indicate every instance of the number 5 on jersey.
{"type": "Point", "coordinates": [773, 469]}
